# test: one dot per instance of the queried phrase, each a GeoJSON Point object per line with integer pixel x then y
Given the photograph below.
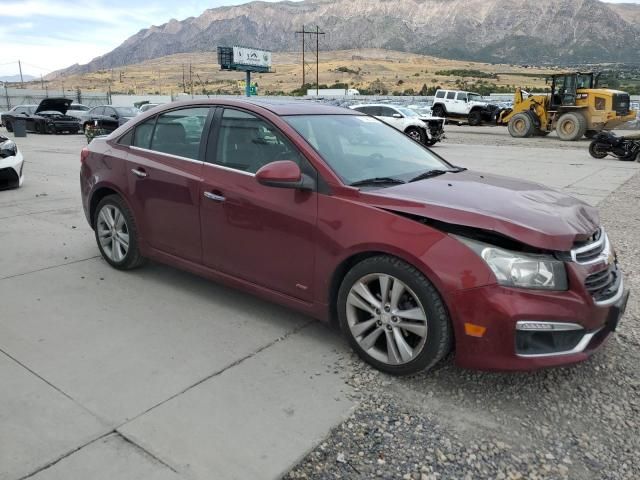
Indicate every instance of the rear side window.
{"type": "Point", "coordinates": [179, 132]}
{"type": "Point", "coordinates": [142, 134]}
{"type": "Point", "coordinates": [440, 94]}
{"type": "Point", "coordinates": [451, 95]}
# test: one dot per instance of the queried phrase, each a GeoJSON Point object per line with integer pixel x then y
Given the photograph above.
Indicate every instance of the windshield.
{"type": "Point", "coordinates": [127, 111]}
{"type": "Point", "coordinates": [474, 97]}
{"type": "Point", "coordinates": [361, 147]}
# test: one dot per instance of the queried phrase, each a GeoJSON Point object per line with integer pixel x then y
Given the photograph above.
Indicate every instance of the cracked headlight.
{"type": "Point", "coordinates": [521, 270]}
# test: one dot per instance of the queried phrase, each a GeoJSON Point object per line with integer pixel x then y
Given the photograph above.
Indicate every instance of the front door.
{"type": "Point", "coordinates": [164, 172]}
{"type": "Point", "coordinates": [264, 235]}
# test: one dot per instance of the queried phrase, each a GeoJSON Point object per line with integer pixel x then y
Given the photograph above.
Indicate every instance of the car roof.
{"type": "Point", "coordinates": [279, 107]}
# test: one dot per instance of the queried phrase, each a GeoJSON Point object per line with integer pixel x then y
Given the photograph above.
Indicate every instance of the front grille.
{"type": "Point", "coordinates": [621, 103]}
{"type": "Point", "coordinates": [604, 285]}
{"type": "Point", "coordinates": [591, 250]}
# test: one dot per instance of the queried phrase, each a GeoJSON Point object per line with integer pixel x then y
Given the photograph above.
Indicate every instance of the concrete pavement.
{"type": "Point", "coordinates": [159, 374]}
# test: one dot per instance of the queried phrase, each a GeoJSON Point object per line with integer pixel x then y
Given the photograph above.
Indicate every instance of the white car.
{"type": "Point", "coordinates": [400, 118]}
{"type": "Point", "coordinates": [11, 164]}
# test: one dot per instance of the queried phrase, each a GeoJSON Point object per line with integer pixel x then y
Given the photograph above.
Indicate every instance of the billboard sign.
{"type": "Point", "coordinates": [251, 57]}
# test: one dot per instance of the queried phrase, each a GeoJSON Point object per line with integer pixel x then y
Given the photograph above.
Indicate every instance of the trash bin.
{"type": "Point", "coordinates": [19, 128]}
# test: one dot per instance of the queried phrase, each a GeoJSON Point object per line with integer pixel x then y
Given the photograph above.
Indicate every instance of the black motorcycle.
{"type": "Point", "coordinates": [622, 148]}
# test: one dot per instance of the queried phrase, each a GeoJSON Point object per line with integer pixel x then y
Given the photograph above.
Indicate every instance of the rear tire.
{"type": "Point", "coordinates": [9, 127]}
{"type": "Point", "coordinates": [414, 316]}
{"type": "Point", "coordinates": [415, 134]}
{"type": "Point", "coordinates": [571, 126]}
{"type": "Point", "coordinates": [117, 234]}
{"type": "Point", "coordinates": [521, 126]}
{"type": "Point", "coordinates": [438, 111]}
{"type": "Point", "coordinates": [596, 152]}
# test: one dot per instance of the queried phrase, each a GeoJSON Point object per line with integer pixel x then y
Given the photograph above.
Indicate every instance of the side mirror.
{"type": "Point", "coordinates": [284, 174]}
{"type": "Point", "coordinates": [114, 116]}
{"type": "Point", "coordinates": [397, 115]}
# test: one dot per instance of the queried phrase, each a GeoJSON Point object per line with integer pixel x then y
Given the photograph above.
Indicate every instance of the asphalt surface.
{"type": "Point", "coordinates": [160, 374]}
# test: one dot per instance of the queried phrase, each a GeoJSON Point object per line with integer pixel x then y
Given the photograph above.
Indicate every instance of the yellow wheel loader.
{"type": "Point", "coordinates": [576, 107]}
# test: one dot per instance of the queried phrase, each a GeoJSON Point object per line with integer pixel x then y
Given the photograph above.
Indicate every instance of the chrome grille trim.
{"type": "Point", "coordinates": [594, 252]}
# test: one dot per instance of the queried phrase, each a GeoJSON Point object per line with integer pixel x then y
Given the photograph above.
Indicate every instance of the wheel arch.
{"type": "Point", "coordinates": [373, 251]}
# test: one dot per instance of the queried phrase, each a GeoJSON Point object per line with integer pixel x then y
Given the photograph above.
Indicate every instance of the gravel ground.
{"type": "Point", "coordinates": [579, 422]}
{"type": "Point", "coordinates": [500, 136]}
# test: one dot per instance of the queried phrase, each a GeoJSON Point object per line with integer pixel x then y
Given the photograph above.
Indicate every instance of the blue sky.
{"type": "Point", "coordinates": [50, 34]}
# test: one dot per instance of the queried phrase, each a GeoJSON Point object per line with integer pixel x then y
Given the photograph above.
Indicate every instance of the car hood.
{"type": "Point", "coordinates": [54, 104]}
{"type": "Point", "coordinates": [525, 211]}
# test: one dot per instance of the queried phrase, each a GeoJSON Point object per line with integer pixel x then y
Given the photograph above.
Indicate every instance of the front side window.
{"type": "Point", "coordinates": [179, 132]}
{"type": "Point", "coordinates": [387, 112]}
{"type": "Point", "coordinates": [126, 111]}
{"type": "Point", "coordinates": [462, 96]}
{"type": "Point", "coordinates": [247, 143]}
{"type": "Point", "coordinates": [358, 147]}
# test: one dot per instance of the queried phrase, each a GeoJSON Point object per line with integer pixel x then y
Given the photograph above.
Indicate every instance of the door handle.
{"type": "Point", "coordinates": [215, 197]}
{"type": "Point", "coordinates": [139, 173]}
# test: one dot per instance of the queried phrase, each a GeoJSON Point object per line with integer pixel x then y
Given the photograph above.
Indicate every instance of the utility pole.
{"type": "Point", "coordinates": [184, 88]}
{"type": "Point", "coordinates": [41, 82]}
{"type": "Point", "coordinates": [191, 80]}
{"type": "Point", "coordinates": [21, 79]}
{"type": "Point", "coordinates": [317, 33]}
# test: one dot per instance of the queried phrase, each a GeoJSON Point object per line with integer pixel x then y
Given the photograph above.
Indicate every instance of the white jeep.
{"type": "Point", "coordinates": [401, 118]}
{"type": "Point", "coordinates": [460, 105]}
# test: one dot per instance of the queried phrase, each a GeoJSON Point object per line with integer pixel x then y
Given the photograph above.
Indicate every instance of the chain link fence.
{"type": "Point", "coordinates": [10, 97]}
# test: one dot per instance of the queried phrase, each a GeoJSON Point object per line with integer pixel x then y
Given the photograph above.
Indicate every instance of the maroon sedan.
{"type": "Point", "coordinates": [332, 212]}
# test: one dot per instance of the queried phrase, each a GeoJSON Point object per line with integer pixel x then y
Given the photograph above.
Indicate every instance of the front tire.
{"type": "Point", "coordinates": [393, 316]}
{"type": "Point", "coordinates": [415, 134]}
{"type": "Point", "coordinates": [475, 118]}
{"type": "Point", "coordinates": [116, 233]}
{"type": "Point", "coordinates": [571, 126]}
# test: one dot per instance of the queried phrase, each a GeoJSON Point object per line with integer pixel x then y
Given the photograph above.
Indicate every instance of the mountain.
{"type": "Point", "coordinates": [16, 78]}
{"type": "Point", "coordinates": [506, 31]}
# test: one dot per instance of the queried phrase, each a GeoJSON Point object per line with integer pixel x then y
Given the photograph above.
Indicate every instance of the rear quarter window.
{"type": "Point", "coordinates": [440, 94]}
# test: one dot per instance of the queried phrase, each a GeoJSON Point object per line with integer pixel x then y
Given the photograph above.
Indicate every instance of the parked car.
{"type": "Point", "coordinates": [77, 110]}
{"type": "Point", "coordinates": [465, 106]}
{"type": "Point", "coordinates": [435, 124]}
{"type": "Point", "coordinates": [48, 117]}
{"type": "Point", "coordinates": [18, 109]}
{"type": "Point", "coordinates": [11, 164]}
{"type": "Point", "coordinates": [108, 118]}
{"type": "Point", "coordinates": [336, 214]}
{"type": "Point", "coordinates": [401, 118]}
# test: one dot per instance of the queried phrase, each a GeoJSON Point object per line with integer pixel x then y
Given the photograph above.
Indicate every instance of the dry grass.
{"type": "Point", "coordinates": [164, 75]}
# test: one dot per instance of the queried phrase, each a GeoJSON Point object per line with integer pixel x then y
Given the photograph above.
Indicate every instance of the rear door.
{"type": "Point", "coordinates": [263, 235]}
{"type": "Point", "coordinates": [164, 175]}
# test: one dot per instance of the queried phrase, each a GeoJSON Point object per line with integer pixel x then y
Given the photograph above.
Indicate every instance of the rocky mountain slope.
{"type": "Point", "coordinates": [523, 31]}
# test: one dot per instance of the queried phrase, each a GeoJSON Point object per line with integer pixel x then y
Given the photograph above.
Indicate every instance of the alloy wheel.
{"type": "Point", "coordinates": [386, 319]}
{"type": "Point", "coordinates": [113, 233]}
{"type": "Point", "coordinates": [415, 134]}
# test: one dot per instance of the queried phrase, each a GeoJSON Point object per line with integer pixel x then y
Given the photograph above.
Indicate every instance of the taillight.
{"type": "Point", "coordinates": [84, 154]}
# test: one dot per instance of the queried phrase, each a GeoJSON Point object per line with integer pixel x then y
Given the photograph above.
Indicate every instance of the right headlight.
{"type": "Point", "coordinates": [521, 270]}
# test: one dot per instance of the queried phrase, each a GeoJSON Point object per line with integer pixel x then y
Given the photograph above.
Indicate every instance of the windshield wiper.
{"type": "Point", "coordinates": [435, 173]}
{"type": "Point", "coordinates": [377, 181]}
